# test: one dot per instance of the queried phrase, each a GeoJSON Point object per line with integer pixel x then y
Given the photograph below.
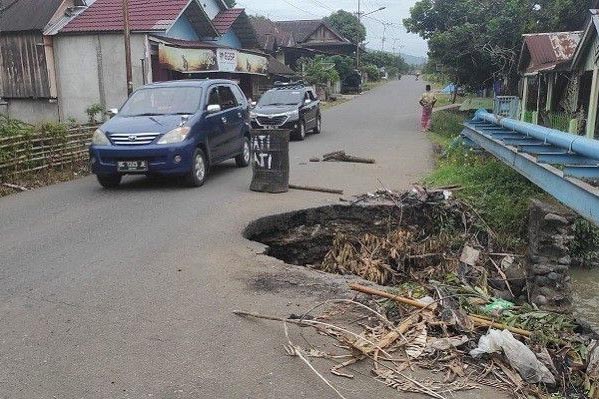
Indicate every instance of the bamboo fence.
{"type": "Point", "coordinates": [32, 152]}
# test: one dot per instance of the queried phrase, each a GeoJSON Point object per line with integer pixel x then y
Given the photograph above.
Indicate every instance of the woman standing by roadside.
{"type": "Point", "coordinates": [427, 101]}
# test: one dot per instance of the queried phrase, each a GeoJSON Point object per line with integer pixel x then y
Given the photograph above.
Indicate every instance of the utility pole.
{"type": "Point", "coordinates": [127, 35]}
{"type": "Point", "coordinates": [384, 38]}
{"type": "Point", "coordinates": [359, 41]}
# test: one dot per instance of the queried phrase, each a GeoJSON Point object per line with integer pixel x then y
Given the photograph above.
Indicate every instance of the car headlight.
{"type": "Point", "coordinates": [99, 138]}
{"type": "Point", "coordinates": [253, 115]}
{"type": "Point", "coordinates": [293, 114]}
{"type": "Point", "coordinates": [175, 136]}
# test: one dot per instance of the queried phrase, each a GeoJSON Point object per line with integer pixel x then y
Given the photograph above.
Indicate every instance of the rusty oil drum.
{"type": "Point", "coordinates": [270, 160]}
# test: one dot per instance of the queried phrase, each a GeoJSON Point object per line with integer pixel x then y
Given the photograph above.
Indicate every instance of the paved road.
{"type": "Point", "coordinates": [129, 293]}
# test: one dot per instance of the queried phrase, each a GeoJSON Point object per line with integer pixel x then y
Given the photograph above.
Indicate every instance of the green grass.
{"type": "Point", "coordinates": [442, 100]}
{"type": "Point", "coordinates": [497, 192]}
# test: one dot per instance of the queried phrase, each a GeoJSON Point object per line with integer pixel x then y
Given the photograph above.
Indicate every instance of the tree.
{"type": "Point", "coordinates": [319, 70]}
{"type": "Point", "coordinates": [344, 65]}
{"type": "Point", "coordinates": [348, 26]}
{"type": "Point", "coordinates": [391, 62]}
{"type": "Point", "coordinates": [230, 3]}
{"type": "Point", "coordinates": [372, 71]}
{"type": "Point", "coordinates": [475, 40]}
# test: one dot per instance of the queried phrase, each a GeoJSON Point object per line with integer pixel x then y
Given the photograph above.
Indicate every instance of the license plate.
{"type": "Point", "coordinates": [132, 166]}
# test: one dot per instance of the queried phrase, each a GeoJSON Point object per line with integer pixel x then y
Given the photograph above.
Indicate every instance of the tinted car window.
{"type": "Point", "coordinates": [240, 96]}
{"type": "Point", "coordinates": [227, 98]}
{"type": "Point", "coordinates": [281, 97]}
{"type": "Point", "coordinates": [213, 98]}
{"type": "Point", "coordinates": [163, 101]}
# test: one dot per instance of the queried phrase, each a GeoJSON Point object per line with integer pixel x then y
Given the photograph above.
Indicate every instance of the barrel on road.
{"type": "Point", "coordinates": [270, 160]}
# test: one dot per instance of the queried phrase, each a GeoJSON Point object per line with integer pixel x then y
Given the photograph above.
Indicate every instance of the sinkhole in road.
{"type": "Point", "coordinates": [377, 241]}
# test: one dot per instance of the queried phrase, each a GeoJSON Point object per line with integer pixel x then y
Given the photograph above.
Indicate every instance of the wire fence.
{"type": "Point", "coordinates": [36, 151]}
{"type": "Point", "coordinates": [559, 121]}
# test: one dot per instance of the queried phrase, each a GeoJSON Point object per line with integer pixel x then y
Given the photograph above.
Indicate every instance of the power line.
{"type": "Point", "coordinates": [318, 3]}
{"type": "Point", "coordinates": [301, 9]}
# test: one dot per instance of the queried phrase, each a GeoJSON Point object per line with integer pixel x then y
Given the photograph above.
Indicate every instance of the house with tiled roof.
{"type": "Point", "coordinates": [291, 40]}
{"type": "Point", "coordinates": [89, 48]}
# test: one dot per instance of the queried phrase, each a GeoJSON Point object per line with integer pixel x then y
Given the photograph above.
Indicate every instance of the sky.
{"type": "Point", "coordinates": [395, 12]}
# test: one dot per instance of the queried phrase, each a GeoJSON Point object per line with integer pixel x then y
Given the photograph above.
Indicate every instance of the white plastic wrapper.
{"type": "Point", "coordinates": [520, 357]}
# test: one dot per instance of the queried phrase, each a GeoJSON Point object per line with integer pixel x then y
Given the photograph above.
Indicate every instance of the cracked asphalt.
{"type": "Point", "coordinates": [129, 293]}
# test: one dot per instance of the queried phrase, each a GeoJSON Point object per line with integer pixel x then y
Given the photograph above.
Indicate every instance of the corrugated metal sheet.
{"type": "Point", "coordinates": [23, 68]}
{"type": "Point", "coordinates": [546, 51]}
{"type": "Point", "coordinates": [26, 15]}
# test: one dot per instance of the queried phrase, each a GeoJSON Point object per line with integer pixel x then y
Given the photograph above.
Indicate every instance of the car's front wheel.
{"type": "Point", "coordinates": [318, 127]}
{"type": "Point", "coordinates": [242, 160]}
{"type": "Point", "coordinates": [199, 169]}
{"type": "Point", "coordinates": [300, 133]}
{"type": "Point", "coordinates": [109, 181]}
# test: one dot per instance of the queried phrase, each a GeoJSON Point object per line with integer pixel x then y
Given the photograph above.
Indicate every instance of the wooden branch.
{"type": "Point", "coordinates": [16, 187]}
{"type": "Point", "coordinates": [477, 320]}
{"type": "Point", "coordinates": [341, 156]}
{"type": "Point", "coordinates": [317, 189]}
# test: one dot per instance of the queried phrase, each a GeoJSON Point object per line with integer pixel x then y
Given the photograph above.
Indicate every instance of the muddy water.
{"type": "Point", "coordinates": [585, 284]}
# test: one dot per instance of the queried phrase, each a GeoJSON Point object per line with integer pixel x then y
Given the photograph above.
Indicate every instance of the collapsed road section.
{"type": "Point", "coordinates": [447, 298]}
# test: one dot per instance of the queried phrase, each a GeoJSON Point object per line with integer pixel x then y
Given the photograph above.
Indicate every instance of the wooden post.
{"type": "Point", "coordinates": [592, 117]}
{"type": "Point", "coordinates": [524, 98]}
{"type": "Point", "coordinates": [550, 86]}
{"type": "Point", "coordinates": [127, 35]}
{"type": "Point", "coordinates": [535, 118]}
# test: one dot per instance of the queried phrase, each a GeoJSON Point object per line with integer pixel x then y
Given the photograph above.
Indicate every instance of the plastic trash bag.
{"type": "Point", "coordinates": [520, 357]}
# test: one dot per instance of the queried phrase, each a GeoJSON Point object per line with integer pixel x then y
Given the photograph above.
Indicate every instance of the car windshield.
{"type": "Point", "coordinates": [163, 101]}
{"type": "Point", "coordinates": [281, 97]}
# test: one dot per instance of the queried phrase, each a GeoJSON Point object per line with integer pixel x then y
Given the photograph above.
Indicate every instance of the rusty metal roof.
{"type": "Point", "coordinates": [547, 51]}
{"type": "Point", "coordinates": [27, 15]}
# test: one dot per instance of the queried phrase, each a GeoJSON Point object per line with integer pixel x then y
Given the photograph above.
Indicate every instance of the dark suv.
{"type": "Point", "coordinates": [288, 106]}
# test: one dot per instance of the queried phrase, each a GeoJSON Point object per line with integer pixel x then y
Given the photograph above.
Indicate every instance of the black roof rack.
{"type": "Point", "coordinates": [289, 85]}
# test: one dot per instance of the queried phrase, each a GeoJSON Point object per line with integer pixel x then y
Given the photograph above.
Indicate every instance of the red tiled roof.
{"type": "Point", "coordinates": [225, 19]}
{"type": "Point", "coordinates": [144, 15]}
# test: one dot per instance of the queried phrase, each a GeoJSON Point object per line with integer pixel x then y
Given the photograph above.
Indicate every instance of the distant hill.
{"type": "Point", "coordinates": [413, 60]}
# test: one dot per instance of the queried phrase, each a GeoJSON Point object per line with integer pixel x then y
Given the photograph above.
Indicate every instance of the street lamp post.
{"type": "Point", "coordinates": [127, 34]}
{"type": "Point", "coordinates": [360, 14]}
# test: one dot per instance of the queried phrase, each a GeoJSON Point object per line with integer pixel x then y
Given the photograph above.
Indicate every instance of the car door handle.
{"type": "Point", "coordinates": [223, 119]}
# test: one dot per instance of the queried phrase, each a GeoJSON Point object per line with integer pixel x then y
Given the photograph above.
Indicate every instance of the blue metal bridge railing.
{"type": "Point", "coordinates": [562, 164]}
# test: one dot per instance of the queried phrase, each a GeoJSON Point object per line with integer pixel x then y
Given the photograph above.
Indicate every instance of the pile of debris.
{"type": "Point", "coordinates": [458, 305]}
{"type": "Point", "coordinates": [341, 156]}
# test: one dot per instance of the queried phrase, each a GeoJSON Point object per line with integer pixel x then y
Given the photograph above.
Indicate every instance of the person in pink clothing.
{"type": "Point", "coordinates": [427, 102]}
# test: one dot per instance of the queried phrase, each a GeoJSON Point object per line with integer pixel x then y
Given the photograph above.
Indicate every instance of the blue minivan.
{"type": "Point", "coordinates": [176, 128]}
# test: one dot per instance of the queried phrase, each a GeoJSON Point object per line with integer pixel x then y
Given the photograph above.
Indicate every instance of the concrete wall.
{"type": "Point", "coordinates": [212, 7]}
{"type": "Point", "coordinates": [91, 70]}
{"type": "Point", "coordinates": [30, 110]}
{"type": "Point", "coordinates": [182, 29]}
{"type": "Point", "coordinates": [229, 39]}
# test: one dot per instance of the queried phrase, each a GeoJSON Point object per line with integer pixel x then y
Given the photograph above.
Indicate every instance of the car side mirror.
{"type": "Point", "coordinates": [307, 101]}
{"type": "Point", "coordinates": [112, 112]}
{"type": "Point", "coordinates": [213, 108]}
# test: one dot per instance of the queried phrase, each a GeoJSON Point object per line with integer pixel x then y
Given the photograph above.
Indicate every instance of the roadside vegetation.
{"type": "Point", "coordinates": [499, 194]}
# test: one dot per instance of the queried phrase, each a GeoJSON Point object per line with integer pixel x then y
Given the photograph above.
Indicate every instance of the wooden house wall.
{"type": "Point", "coordinates": [23, 66]}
